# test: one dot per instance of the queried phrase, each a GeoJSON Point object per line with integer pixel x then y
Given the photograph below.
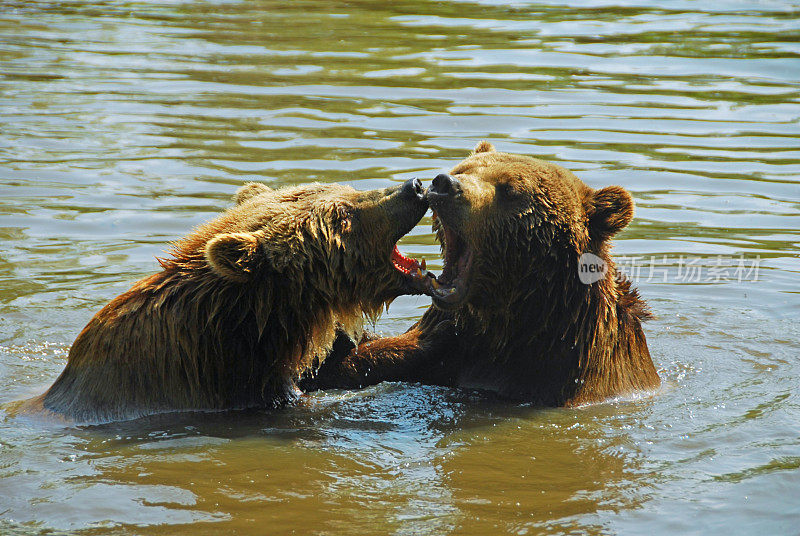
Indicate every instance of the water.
{"type": "Point", "coordinates": [124, 124]}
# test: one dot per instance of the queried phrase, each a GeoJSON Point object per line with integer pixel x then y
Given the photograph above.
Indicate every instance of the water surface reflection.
{"type": "Point", "coordinates": [126, 123]}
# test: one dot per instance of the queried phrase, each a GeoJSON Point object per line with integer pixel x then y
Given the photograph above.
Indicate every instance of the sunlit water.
{"type": "Point", "coordinates": [124, 124]}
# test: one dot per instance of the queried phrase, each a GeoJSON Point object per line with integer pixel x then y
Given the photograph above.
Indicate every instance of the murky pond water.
{"type": "Point", "coordinates": [124, 124]}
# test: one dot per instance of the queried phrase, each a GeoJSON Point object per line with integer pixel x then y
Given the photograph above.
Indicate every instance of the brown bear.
{"type": "Point", "coordinates": [510, 311]}
{"type": "Point", "coordinates": [244, 304]}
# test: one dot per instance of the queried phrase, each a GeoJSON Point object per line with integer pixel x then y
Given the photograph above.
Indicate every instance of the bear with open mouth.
{"type": "Point", "coordinates": [243, 305]}
{"type": "Point", "coordinates": [511, 312]}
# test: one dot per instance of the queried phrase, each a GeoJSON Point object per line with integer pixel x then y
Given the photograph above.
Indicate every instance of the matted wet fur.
{"type": "Point", "coordinates": [511, 314]}
{"type": "Point", "coordinates": [242, 306]}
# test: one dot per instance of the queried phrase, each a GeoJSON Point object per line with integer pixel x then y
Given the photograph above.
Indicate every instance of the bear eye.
{"type": "Point", "coordinates": [506, 190]}
{"type": "Point", "coordinates": [348, 221]}
{"type": "Point", "coordinates": [344, 216]}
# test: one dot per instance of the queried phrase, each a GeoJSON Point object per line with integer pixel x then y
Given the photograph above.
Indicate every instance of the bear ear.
{"type": "Point", "coordinates": [234, 256]}
{"type": "Point", "coordinates": [610, 210]}
{"type": "Point", "coordinates": [250, 190]}
{"type": "Point", "coordinates": [483, 147]}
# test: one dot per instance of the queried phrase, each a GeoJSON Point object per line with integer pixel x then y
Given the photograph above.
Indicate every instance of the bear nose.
{"type": "Point", "coordinates": [412, 188]}
{"type": "Point", "coordinates": [444, 184]}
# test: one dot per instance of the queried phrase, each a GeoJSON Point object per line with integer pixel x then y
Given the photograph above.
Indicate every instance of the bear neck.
{"type": "Point", "coordinates": [612, 358]}
{"type": "Point", "coordinates": [563, 342]}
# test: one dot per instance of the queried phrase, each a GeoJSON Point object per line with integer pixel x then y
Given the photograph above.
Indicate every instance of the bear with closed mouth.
{"type": "Point", "coordinates": [512, 311]}
{"type": "Point", "coordinates": [242, 306]}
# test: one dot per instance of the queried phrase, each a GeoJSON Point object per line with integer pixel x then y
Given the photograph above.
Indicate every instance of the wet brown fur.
{"type": "Point", "coordinates": [529, 330]}
{"type": "Point", "coordinates": [242, 306]}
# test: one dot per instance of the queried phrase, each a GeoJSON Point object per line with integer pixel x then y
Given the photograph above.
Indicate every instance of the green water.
{"type": "Point", "coordinates": [124, 124]}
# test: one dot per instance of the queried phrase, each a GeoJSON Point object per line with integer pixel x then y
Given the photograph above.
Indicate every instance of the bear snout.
{"type": "Point", "coordinates": [444, 187]}
{"type": "Point", "coordinates": [412, 188]}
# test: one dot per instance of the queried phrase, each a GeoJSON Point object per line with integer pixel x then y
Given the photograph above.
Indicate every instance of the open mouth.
{"type": "Point", "coordinates": [413, 270]}
{"type": "Point", "coordinates": [450, 288]}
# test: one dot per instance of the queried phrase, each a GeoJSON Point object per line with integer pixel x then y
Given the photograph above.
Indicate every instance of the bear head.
{"type": "Point", "coordinates": [514, 228]}
{"type": "Point", "coordinates": [331, 238]}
